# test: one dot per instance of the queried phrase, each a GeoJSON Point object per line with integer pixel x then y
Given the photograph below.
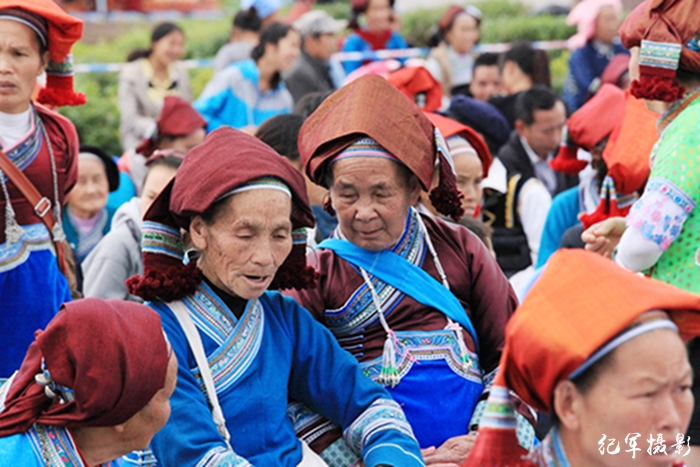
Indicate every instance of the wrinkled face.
{"type": "Point", "coordinates": [463, 34]}
{"type": "Point", "coordinates": [185, 143]}
{"type": "Point", "coordinates": [169, 48]}
{"type": "Point", "coordinates": [646, 390]}
{"type": "Point", "coordinates": [286, 51]}
{"type": "Point", "coordinates": [486, 82]}
{"type": "Point", "coordinates": [246, 243]}
{"type": "Point", "coordinates": [606, 25]}
{"type": "Point", "coordinates": [89, 195]}
{"type": "Point", "coordinates": [371, 197]}
{"type": "Point", "coordinates": [470, 173]}
{"type": "Point", "coordinates": [544, 134]}
{"type": "Point", "coordinates": [140, 429]}
{"type": "Point", "coordinates": [157, 177]}
{"type": "Point", "coordinates": [379, 15]}
{"type": "Point", "coordinates": [20, 65]}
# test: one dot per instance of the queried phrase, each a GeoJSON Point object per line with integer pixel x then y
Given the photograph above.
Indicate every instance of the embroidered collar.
{"type": "Point", "coordinates": [55, 446]}
{"type": "Point", "coordinates": [676, 109]}
{"type": "Point", "coordinates": [550, 452]}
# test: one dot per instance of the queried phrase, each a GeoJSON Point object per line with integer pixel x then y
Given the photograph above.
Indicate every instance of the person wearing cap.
{"type": "Point", "coordinates": [379, 33]}
{"type": "Point", "coordinates": [118, 255]}
{"type": "Point", "coordinates": [451, 61]}
{"type": "Point", "coordinates": [244, 351]}
{"type": "Point", "coordinates": [34, 37]}
{"type": "Point", "coordinates": [482, 117]}
{"type": "Point", "coordinates": [314, 71]}
{"type": "Point", "coordinates": [245, 35]}
{"type": "Point", "coordinates": [267, 10]}
{"type": "Point", "coordinates": [593, 46]}
{"type": "Point", "coordinates": [146, 79]}
{"type": "Point", "coordinates": [86, 218]}
{"type": "Point", "coordinates": [179, 128]}
{"type": "Point", "coordinates": [95, 385]}
{"type": "Point", "coordinates": [414, 298]}
{"type": "Point", "coordinates": [608, 368]}
{"type": "Point", "coordinates": [660, 234]}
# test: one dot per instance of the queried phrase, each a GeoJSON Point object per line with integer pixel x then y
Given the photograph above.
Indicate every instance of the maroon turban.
{"type": "Point", "coordinates": [227, 159]}
{"type": "Point", "coordinates": [102, 360]}
{"type": "Point", "coordinates": [372, 107]}
{"type": "Point", "coordinates": [177, 118]}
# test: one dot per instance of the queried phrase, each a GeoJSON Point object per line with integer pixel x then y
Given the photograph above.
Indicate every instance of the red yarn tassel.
{"type": "Point", "coordinates": [328, 206]}
{"type": "Point", "coordinates": [497, 448]}
{"type": "Point", "coordinates": [567, 162]}
{"type": "Point", "coordinates": [60, 97]}
{"type": "Point", "coordinates": [657, 88]}
{"type": "Point", "coordinates": [607, 207]}
{"type": "Point", "coordinates": [446, 197]}
{"type": "Point", "coordinates": [294, 273]}
{"type": "Point", "coordinates": [177, 282]}
{"type": "Point", "coordinates": [147, 147]}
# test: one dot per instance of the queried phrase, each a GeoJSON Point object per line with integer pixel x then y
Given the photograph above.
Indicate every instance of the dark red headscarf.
{"type": "Point", "coordinates": [227, 159]}
{"type": "Point", "coordinates": [177, 118]}
{"type": "Point", "coordinates": [371, 107]}
{"type": "Point", "coordinates": [113, 356]}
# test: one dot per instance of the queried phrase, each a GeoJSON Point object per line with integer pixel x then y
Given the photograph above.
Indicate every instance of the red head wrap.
{"type": "Point", "coordinates": [668, 33]}
{"type": "Point", "coordinates": [562, 323]}
{"type": "Point", "coordinates": [372, 107]}
{"type": "Point", "coordinates": [102, 362]}
{"type": "Point", "coordinates": [448, 18]}
{"type": "Point", "coordinates": [449, 127]}
{"type": "Point", "coordinates": [64, 30]}
{"type": "Point", "coordinates": [415, 80]}
{"type": "Point", "coordinates": [177, 118]}
{"type": "Point", "coordinates": [227, 159]}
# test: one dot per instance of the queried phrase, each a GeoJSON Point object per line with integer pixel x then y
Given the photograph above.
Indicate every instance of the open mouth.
{"type": "Point", "coordinates": [256, 279]}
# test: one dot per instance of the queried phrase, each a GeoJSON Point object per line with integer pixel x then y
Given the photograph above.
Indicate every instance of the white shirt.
{"type": "Point", "coordinates": [543, 171]}
{"type": "Point", "coordinates": [14, 127]}
{"type": "Point", "coordinates": [533, 206]}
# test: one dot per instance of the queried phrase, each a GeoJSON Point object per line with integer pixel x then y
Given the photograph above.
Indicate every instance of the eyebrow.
{"type": "Point", "coordinates": [350, 186]}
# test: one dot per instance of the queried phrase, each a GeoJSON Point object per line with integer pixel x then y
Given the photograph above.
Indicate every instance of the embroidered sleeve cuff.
{"type": "Point", "coordinates": [222, 457]}
{"type": "Point", "coordinates": [394, 455]}
{"type": "Point", "coordinates": [661, 212]}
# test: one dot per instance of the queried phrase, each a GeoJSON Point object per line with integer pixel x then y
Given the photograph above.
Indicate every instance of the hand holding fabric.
{"type": "Point", "coordinates": [603, 237]}
{"type": "Point", "coordinates": [452, 452]}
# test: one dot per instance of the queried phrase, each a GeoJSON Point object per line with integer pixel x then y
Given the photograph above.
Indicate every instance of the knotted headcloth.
{"type": "Point", "coordinates": [371, 107]}
{"type": "Point", "coordinates": [226, 160]}
{"type": "Point", "coordinates": [97, 363]}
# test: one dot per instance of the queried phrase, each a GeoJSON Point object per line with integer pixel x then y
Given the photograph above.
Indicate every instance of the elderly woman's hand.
{"type": "Point", "coordinates": [603, 237]}
{"type": "Point", "coordinates": [452, 452]}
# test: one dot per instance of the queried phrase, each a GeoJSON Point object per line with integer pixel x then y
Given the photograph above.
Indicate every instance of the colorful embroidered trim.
{"type": "Point", "coordinates": [675, 110]}
{"type": "Point", "coordinates": [660, 55]}
{"type": "Point", "coordinates": [55, 446]}
{"type": "Point", "coordinates": [222, 457]}
{"type": "Point", "coordinates": [158, 238]}
{"type": "Point", "coordinates": [34, 238]}
{"type": "Point", "coordinates": [381, 415]}
{"type": "Point", "coordinates": [264, 183]}
{"type": "Point", "coordinates": [64, 68]}
{"type": "Point", "coordinates": [308, 425]}
{"type": "Point", "coordinates": [299, 236]}
{"type": "Point", "coordinates": [365, 147]}
{"type": "Point", "coordinates": [25, 151]}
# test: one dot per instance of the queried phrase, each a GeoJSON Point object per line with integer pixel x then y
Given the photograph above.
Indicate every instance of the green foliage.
{"type": "Point", "coordinates": [559, 66]}
{"type": "Point", "coordinates": [529, 28]}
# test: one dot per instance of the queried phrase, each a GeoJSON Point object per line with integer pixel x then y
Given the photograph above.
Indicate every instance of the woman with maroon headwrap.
{"type": "Point", "coordinates": [244, 351]}
{"type": "Point", "coordinates": [95, 385]}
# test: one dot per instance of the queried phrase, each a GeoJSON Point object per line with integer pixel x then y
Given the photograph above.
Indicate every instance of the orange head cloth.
{"type": "Point", "coordinates": [449, 127]}
{"type": "Point", "coordinates": [559, 325]}
{"type": "Point", "coordinates": [64, 30]}
{"type": "Point", "coordinates": [667, 31]}
{"type": "Point", "coordinates": [419, 85]}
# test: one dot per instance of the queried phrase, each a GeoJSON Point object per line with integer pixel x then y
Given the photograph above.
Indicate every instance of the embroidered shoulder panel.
{"type": "Point", "coordinates": [55, 446]}
{"type": "Point", "coordinates": [35, 238]}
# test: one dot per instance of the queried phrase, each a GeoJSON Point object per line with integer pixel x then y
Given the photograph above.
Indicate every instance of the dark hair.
{"type": "Point", "coordinates": [486, 59]}
{"type": "Point", "coordinates": [160, 31]}
{"type": "Point", "coordinates": [310, 102]}
{"type": "Point", "coordinates": [534, 63]}
{"type": "Point", "coordinates": [248, 20]}
{"type": "Point", "coordinates": [359, 7]}
{"type": "Point", "coordinates": [272, 34]}
{"type": "Point", "coordinates": [477, 227]}
{"type": "Point", "coordinates": [687, 76]}
{"type": "Point", "coordinates": [167, 161]}
{"type": "Point", "coordinates": [281, 134]}
{"type": "Point", "coordinates": [535, 98]}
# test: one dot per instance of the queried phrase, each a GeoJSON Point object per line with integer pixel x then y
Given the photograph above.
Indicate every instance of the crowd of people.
{"type": "Point", "coordinates": [406, 262]}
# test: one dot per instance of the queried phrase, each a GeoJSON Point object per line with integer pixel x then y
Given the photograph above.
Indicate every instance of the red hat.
{"type": "Point", "coordinates": [177, 118]}
{"type": "Point", "coordinates": [453, 11]}
{"type": "Point", "coordinates": [579, 304]}
{"type": "Point", "coordinates": [619, 64]}
{"type": "Point", "coordinates": [588, 126]}
{"type": "Point", "coordinates": [371, 107]}
{"type": "Point", "coordinates": [415, 81]}
{"type": "Point", "coordinates": [209, 172]}
{"type": "Point", "coordinates": [97, 363]}
{"type": "Point", "coordinates": [667, 31]}
{"type": "Point", "coordinates": [449, 127]}
{"type": "Point", "coordinates": [64, 30]}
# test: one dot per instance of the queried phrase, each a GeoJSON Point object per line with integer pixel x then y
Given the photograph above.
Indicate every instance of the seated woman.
{"type": "Point", "coordinates": [95, 385]}
{"type": "Point", "coordinates": [87, 218]}
{"type": "Point", "coordinates": [613, 372]}
{"type": "Point", "coordinates": [451, 62]}
{"type": "Point", "coordinates": [243, 351]}
{"type": "Point", "coordinates": [378, 34]}
{"type": "Point", "coordinates": [247, 93]}
{"type": "Point", "coordinates": [147, 78]}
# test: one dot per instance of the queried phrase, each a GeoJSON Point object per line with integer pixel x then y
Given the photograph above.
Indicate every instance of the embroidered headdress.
{"type": "Point", "coordinates": [565, 328]}
{"type": "Point", "coordinates": [97, 363]}
{"type": "Point", "coordinates": [226, 160]}
{"type": "Point", "coordinates": [61, 32]}
{"type": "Point", "coordinates": [417, 83]}
{"type": "Point", "coordinates": [177, 118]}
{"type": "Point", "coordinates": [451, 128]}
{"type": "Point", "coordinates": [668, 32]}
{"type": "Point", "coordinates": [372, 107]}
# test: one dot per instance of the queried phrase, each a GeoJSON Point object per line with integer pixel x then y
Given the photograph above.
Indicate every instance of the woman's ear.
{"type": "Point", "coordinates": [45, 57]}
{"type": "Point", "coordinates": [199, 233]}
{"type": "Point", "coordinates": [568, 403]}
